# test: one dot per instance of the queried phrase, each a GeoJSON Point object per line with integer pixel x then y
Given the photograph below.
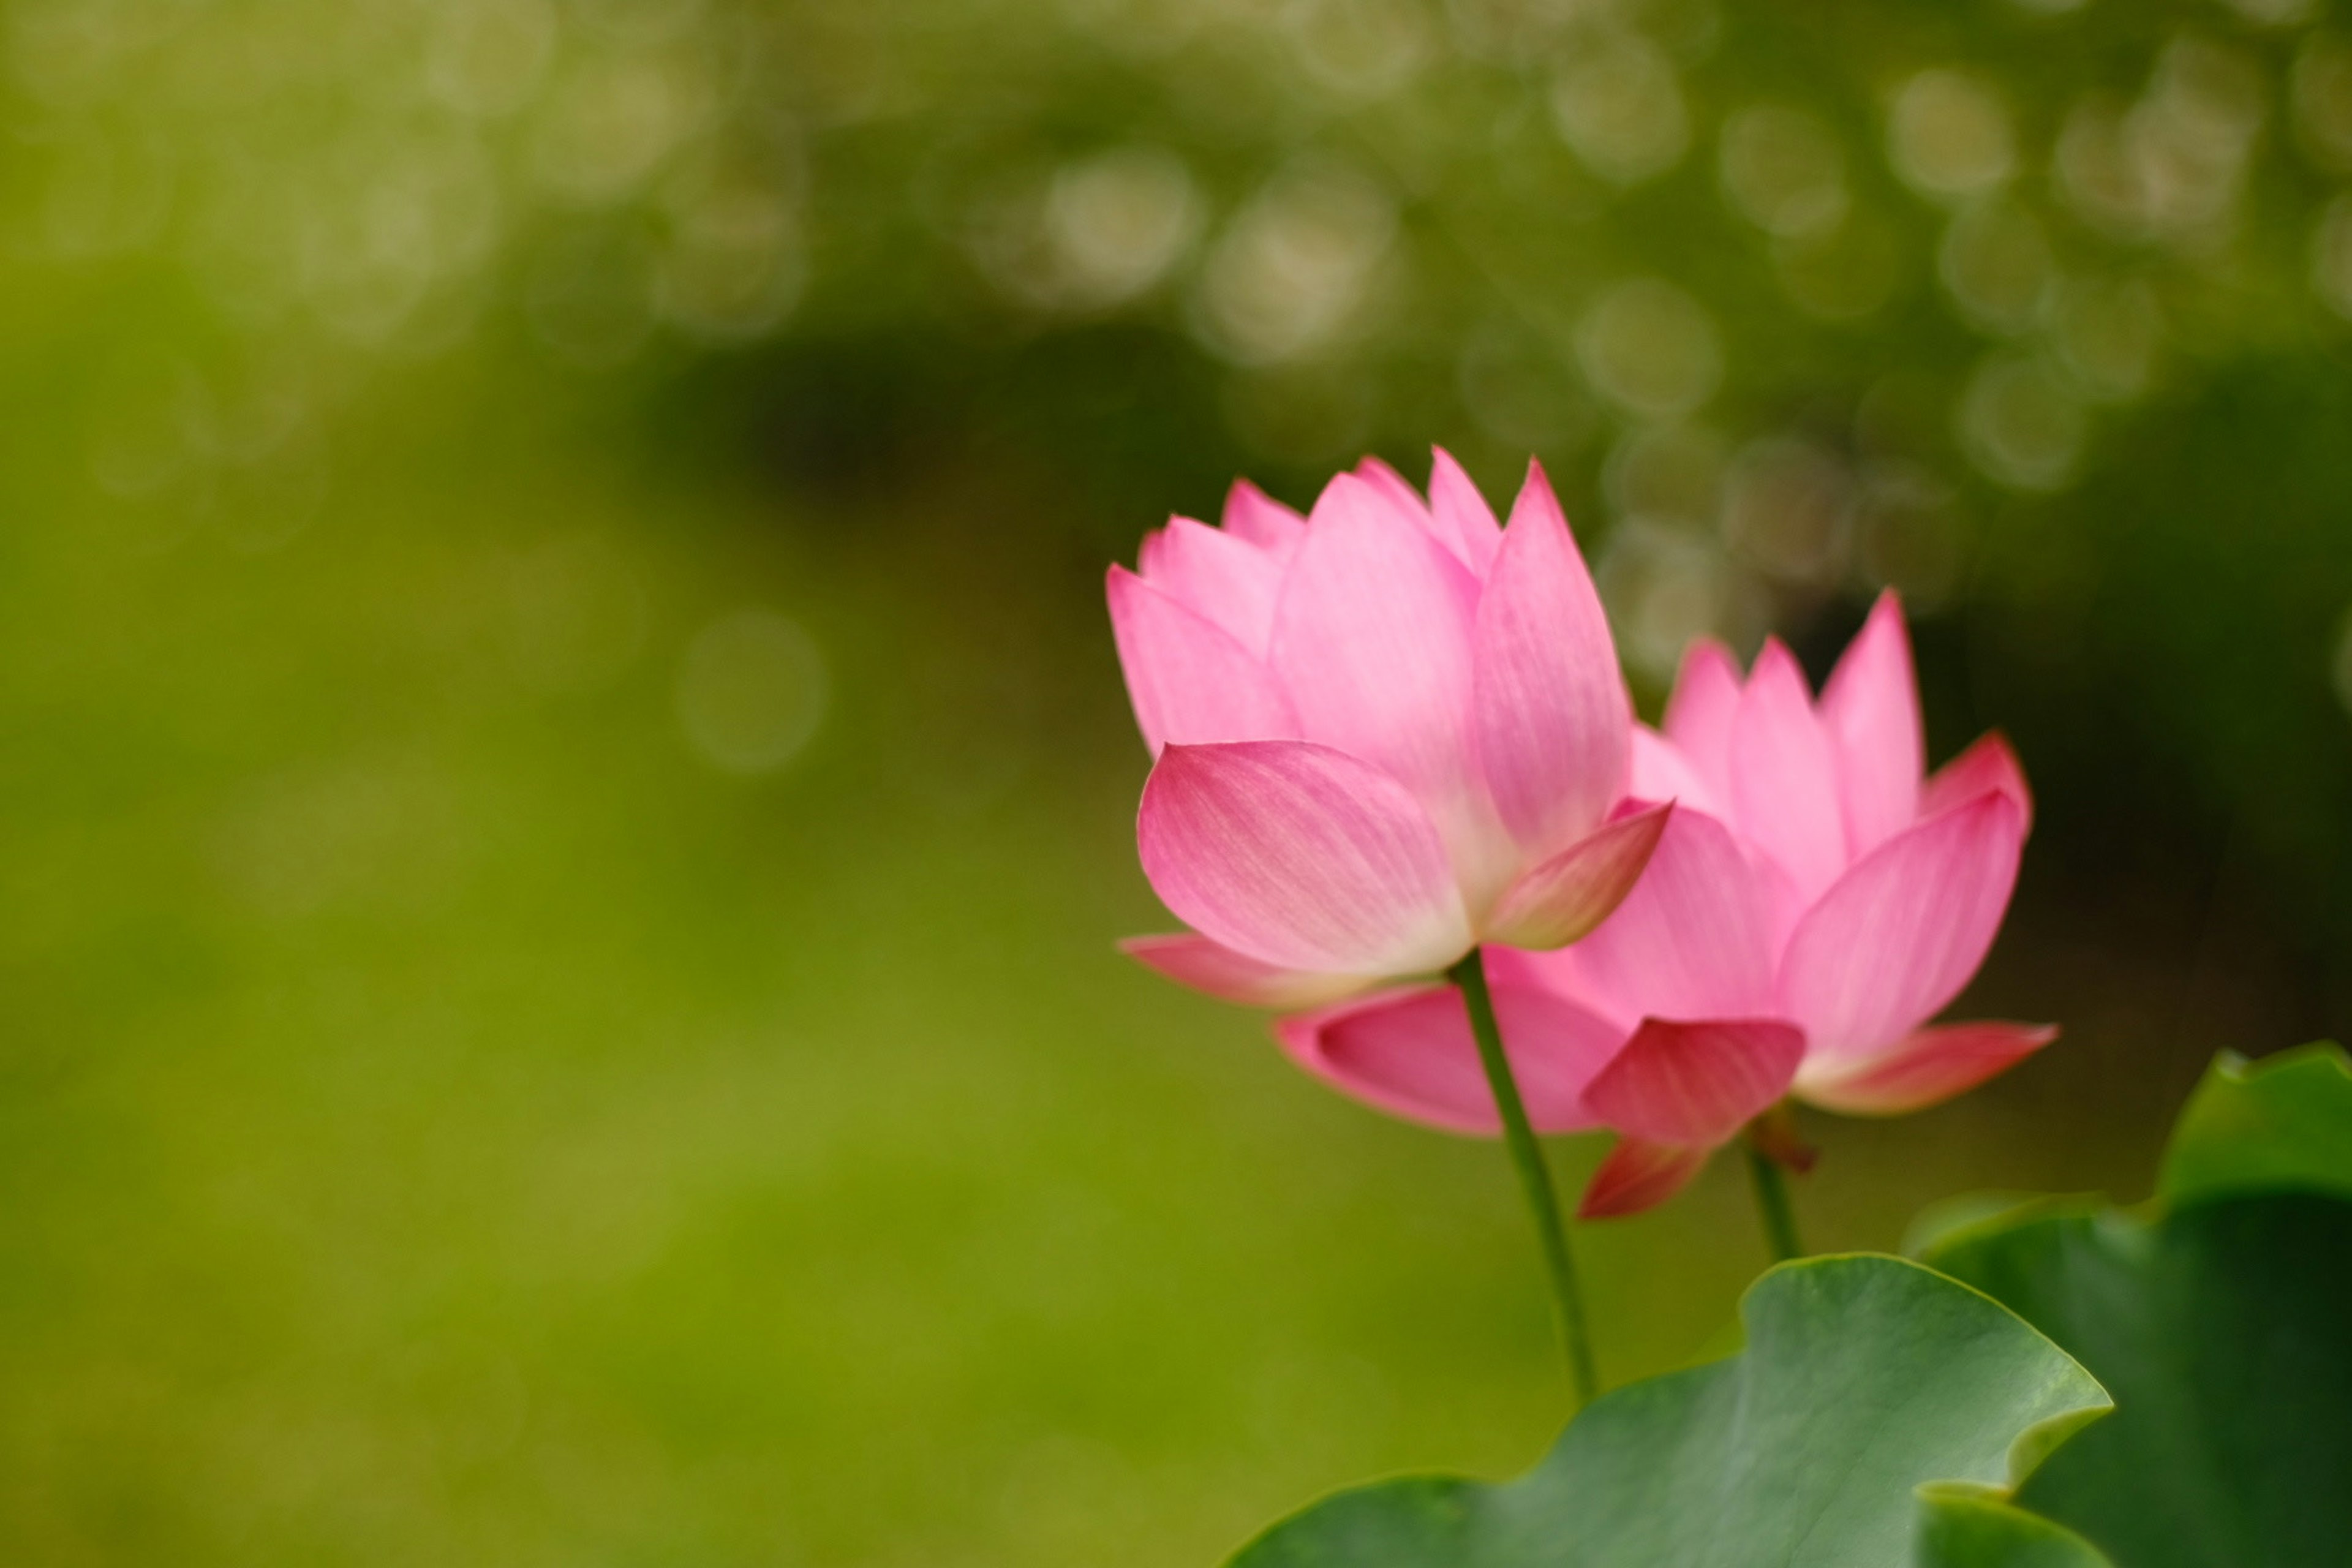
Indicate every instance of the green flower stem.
{"type": "Point", "coordinates": [1519, 1136]}
{"type": "Point", "coordinates": [1772, 1201]}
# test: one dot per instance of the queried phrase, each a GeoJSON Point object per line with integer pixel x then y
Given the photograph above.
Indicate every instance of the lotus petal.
{"type": "Point", "coordinates": [1930, 1066]}
{"type": "Point", "coordinates": [1635, 1176]}
{"type": "Point", "coordinates": [1410, 1053]}
{"type": "Point", "coordinates": [1551, 719]}
{"type": "Point", "coordinates": [1871, 711]}
{"type": "Point", "coordinates": [1784, 783]}
{"type": "Point", "coordinates": [1301, 857]}
{"type": "Point", "coordinates": [1695, 1083]}
{"type": "Point", "coordinates": [1190, 680]}
{"type": "Point", "coordinates": [1897, 937]}
{"type": "Point", "coordinates": [1986, 767]}
{"type": "Point", "coordinates": [1218, 971]}
{"type": "Point", "coordinates": [1465, 522]}
{"type": "Point", "coordinates": [1568, 895]}
{"type": "Point", "coordinates": [1252, 514]}
{"type": "Point", "coordinates": [1371, 642]}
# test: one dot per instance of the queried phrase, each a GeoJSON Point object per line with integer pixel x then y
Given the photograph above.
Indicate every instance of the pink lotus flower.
{"type": "Point", "coordinates": [1386, 733]}
{"type": "Point", "coordinates": [1813, 902]}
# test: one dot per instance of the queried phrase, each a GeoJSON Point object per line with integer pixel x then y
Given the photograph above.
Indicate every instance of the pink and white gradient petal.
{"type": "Point", "coordinates": [1371, 642]}
{"type": "Point", "coordinates": [1695, 1083]}
{"type": "Point", "coordinates": [1300, 856]}
{"type": "Point", "coordinates": [1693, 940]}
{"type": "Point", "coordinates": [1190, 680]}
{"type": "Point", "coordinates": [1219, 576]}
{"type": "Point", "coordinates": [1870, 710]}
{"type": "Point", "coordinates": [1661, 771]}
{"type": "Point", "coordinates": [1703, 710]}
{"type": "Point", "coordinates": [1930, 1066]}
{"type": "Point", "coordinates": [1564, 899]}
{"type": "Point", "coordinates": [1410, 1053]}
{"type": "Point", "coordinates": [1784, 783]}
{"type": "Point", "coordinates": [1550, 719]}
{"type": "Point", "coordinates": [1214, 970]}
{"type": "Point", "coordinates": [1899, 934]}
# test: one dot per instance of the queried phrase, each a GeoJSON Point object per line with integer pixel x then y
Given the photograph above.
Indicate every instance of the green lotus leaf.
{"type": "Point", "coordinates": [1863, 1379]}
{"type": "Point", "coordinates": [2281, 1124]}
{"type": "Point", "coordinates": [2220, 1316]}
{"type": "Point", "coordinates": [1962, 1526]}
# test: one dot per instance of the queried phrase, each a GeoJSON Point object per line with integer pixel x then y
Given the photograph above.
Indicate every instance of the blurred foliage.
{"type": "Point", "coordinates": [566, 790]}
{"type": "Point", "coordinates": [2034, 308]}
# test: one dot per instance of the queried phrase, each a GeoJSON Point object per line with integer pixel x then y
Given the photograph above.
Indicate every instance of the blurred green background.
{"type": "Point", "coordinates": [564, 795]}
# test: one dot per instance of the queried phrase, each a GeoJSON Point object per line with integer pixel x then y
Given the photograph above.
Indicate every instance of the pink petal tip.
{"type": "Point", "coordinates": [1636, 1176]}
{"type": "Point", "coordinates": [1928, 1067]}
{"type": "Point", "coordinates": [1216, 970]}
{"type": "Point", "coordinates": [1570, 895]}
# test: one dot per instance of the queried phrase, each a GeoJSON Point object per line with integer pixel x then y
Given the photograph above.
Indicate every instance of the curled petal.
{"type": "Point", "coordinates": [1218, 971]}
{"type": "Point", "coordinates": [1372, 641]}
{"type": "Point", "coordinates": [1466, 523]}
{"type": "Point", "coordinates": [1190, 680]}
{"type": "Point", "coordinates": [1784, 785]}
{"type": "Point", "coordinates": [1899, 934]}
{"type": "Point", "coordinates": [1552, 724]}
{"type": "Point", "coordinates": [1410, 1053]}
{"type": "Point", "coordinates": [1871, 711]}
{"type": "Point", "coordinates": [1252, 514]}
{"type": "Point", "coordinates": [1988, 767]}
{"type": "Point", "coordinates": [1301, 857]}
{"type": "Point", "coordinates": [1219, 576]}
{"type": "Point", "coordinates": [1635, 1176]}
{"type": "Point", "coordinates": [1931, 1066]}
{"type": "Point", "coordinates": [1572, 893]}
{"type": "Point", "coordinates": [1703, 708]}
{"type": "Point", "coordinates": [1694, 938]}
{"type": "Point", "coordinates": [1695, 1083]}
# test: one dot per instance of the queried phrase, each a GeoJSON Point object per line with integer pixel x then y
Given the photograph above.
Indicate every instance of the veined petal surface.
{"type": "Point", "coordinates": [1371, 642]}
{"type": "Point", "coordinates": [1697, 1082]}
{"type": "Point", "coordinates": [1300, 856]}
{"type": "Point", "coordinates": [1551, 719]}
{"type": "Point", "coordinates": [1214, 970]}
{"type": "Point", "coordinates": [1219, 576]}
{"type": "Point", "coordinates": [1190, 680]}
{"type": "Point", "coordinates": [1930, 1065]}
{"type": "Point", "coordinates": [1693, 940]}
{"type": "Point", "coordinates": [1871, 711]}
{"type": "Point", "coordinates": [1784, 783]}
{"type": "Point", "coordinates": [1553, 904]}
{"type": "Point", "coordinates": [1410, 1053]}
{"type": "Point", "coordinates": [1899, 934]}
{"type": "Point", "coordinates": [1703, 709]}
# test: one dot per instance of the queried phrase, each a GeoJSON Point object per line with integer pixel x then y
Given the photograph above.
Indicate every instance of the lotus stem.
{"type": "Point", "coordinates": [1535, 1177]}
{"type": "Point", "coordinates": [1771, 1183]}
